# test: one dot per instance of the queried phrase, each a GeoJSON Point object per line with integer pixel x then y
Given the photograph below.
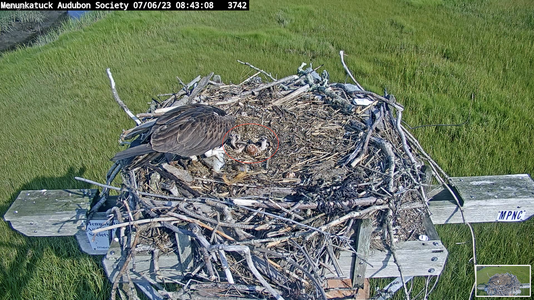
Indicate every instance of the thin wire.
{"type": "Point", "coordinates": [460, 124]}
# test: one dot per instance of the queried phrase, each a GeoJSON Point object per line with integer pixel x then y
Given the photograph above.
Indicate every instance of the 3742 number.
{"type": "Point", "coordinates": [237, 5]}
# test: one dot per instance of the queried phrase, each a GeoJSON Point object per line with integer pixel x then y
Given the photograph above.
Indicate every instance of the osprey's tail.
{"type": "Point", "coordinates": [133, 151]}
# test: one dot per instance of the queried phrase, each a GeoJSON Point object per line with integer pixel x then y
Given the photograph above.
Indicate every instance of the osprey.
{"type": "Point", "coordinates": [187, 130]}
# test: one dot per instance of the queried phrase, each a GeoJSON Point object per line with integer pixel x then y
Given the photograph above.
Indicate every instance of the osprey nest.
{"type": "Point", "coordinates": [305, 161]}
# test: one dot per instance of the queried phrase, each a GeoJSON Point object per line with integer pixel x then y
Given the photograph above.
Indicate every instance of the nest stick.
{"type": "Point", "coordinates": [257, 69]}
{"type": "Point", "coordinates": [207, 219]}
{"type": "Point", "coordinates": [124, 267]}
{"type": "Point", "coordinates": [226, 268]}
{"type": "Point", "coordinates": [388, 149]}
{"type": "Point", "coordinates": [290, 221]}
{"type": "Point", "coordinates": [353, 214]}
{"type": "Point", "coordinates": [318, 286]}
{"type": "Point", "coordinates": [333, 258]}
{"type": "Point", "coordinates": [341, 54]}
{"type": "Point", "coordinates": [137, 222]}
{"type": "Point", "coordinates": [403, 137]}
{"type": "Point", "coordinates": [307, 257]}
{"type": "Point", "coordinates": [256, 90]}
{"type": "Point", "coordinates": [290, 211]}
{"type": "Point", "coordinates": [97, 183]}
{"type": "Point", "coordinates": [277, 266]}
{"type": "Point", "coordinates": [250, 78]}
{"type": "Point", "coordinates": [112, 173]}
{"type": "Point", "coordinates": [199, 223]}
{"type": "Point", "coordinates": [205, 246]}
{"type": "Point", "coordinates": [119, 101]}
{"type": "Point", "coordinates": [245, 251]}
{"type": "Point", "coordinates": [365, 145]}
{"type": "Point", "coordinates": [437, 171]}
{"type": "Point", "coordinates": [394, 252]}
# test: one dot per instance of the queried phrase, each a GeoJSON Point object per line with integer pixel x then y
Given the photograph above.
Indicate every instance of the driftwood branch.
{"type": "Point", "coordinates": [119, 101]}
{"type": "Point", "coordinates": [257, 69]}
{"type": "Point", "coordinates": [245, 251]}
{"type": "Point", "coordinates": [341, 54]}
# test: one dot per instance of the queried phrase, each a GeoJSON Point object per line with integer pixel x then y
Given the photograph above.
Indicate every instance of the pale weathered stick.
{"type": "Point", "coordinates": [288, 259]}
{"type": "Point", "coordinates": [226, 268]}
{"type": "Point", "coordinates": [191, 220]}
{"type": "Point", "coordinates": [266, 86]}
{"type": "Point", "coordinates": [380, 98]}
{"type": "Point", "coordinates": [277, 266]}
{"type": "Point", "coordinates": [198, 89]}
{"type": "Point", "coordinates": [210, 220]}
{"type": "Point", "coordinates": [124, 266]}
{"type": "Point", "coordinates": [353, 214]}
{"type": "Point", "coordinates": [105, 192]}
{"type": "Point", "coordinates": [394, 252]}
{"type": "Point", "coordinates": [204, 249]}
{"type": "Point", "coordinates": [341, 54]}
{"type": "Point", "coordinates": [250, 78]}
{"type": "Point", "coordinates": [403, 138]}
{"type": "Point", "coordinates": [246, 252]}
{"type": "Point", "coordinates": [138, 222]}
{"type": "Point", "coordinates": [292, 96]}
{"type": "Point", "coordinates": [257, 69]}
{"type": "Point", "coordinates": [119, 101]}
{"type": "Point", "coordinates": [294, 222]}
{"type": "Point", "coordinates": [388, 149]}
{"type": "Point", "coordinates": [367, 201]}
{"type": "Point", "coordinates": [363, 148]}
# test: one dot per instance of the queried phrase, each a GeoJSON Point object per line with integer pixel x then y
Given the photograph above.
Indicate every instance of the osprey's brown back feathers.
{"type": "Point", "coordinates": [186, 131]}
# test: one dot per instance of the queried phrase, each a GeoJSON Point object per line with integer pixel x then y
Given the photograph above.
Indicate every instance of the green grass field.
{"type": "Point", "coordinates": [59, 119]}
{"type": "Point", "coordinates": [521, 272]}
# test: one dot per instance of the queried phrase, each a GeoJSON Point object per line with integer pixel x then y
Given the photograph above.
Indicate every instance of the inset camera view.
{"type": "Point", "coordinates": [503, 280]}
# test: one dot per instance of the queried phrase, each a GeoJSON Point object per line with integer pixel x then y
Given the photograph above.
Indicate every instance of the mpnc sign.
{"type": "Point", "coordinates": [511, 215]}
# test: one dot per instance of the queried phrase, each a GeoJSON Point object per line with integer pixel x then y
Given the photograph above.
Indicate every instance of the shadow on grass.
{"type": "Point", "coordinates": [16, 273]}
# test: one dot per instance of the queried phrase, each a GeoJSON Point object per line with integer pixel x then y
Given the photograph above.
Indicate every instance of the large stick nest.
{"type": "Point", "coordinates": [277, 217]}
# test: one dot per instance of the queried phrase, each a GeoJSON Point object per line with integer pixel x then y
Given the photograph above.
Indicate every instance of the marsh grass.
{"type": "Point", "coordinates": [8, 18]}
{"type": "Point", "coordinates": [59, 119]}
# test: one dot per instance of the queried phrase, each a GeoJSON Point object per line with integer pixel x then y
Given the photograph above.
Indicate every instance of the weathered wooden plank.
{"type": "Point", "coordinates": [485, 199]}
{"type": "Point", "coordinates": [488, 188]}
{"type": "Point", "coordinates": [170, 265]}
{"type": "Point", "coordinates": [50, 212]}
{"type": "Point", "coordinates": [415, 257]}
{"type": "Point", "coordinates": [363, 241]}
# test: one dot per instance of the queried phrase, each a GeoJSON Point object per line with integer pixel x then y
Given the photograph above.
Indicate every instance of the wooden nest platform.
{"type": "Point", "coordinates": [275, 222]}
